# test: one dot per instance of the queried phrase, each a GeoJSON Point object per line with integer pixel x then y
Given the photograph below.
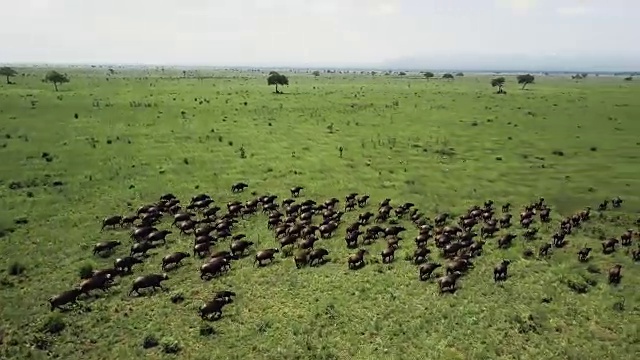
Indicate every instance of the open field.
{"type": "Point", "coordinates": [443, 145]}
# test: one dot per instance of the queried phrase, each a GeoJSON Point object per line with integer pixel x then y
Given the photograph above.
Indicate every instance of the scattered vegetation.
{"type": "Point", "coordinates": [441, 146]}
{"type": "Point", "coordinates": [499, 83]}
{"type": "Point", "coordinates": [525, 80]}
{"type": "Point", "coordinates": [56, 78]}
{"type": "Point", "coordinates": [8, 73]}
{"type": "Point", "coordinates": [277, 79]}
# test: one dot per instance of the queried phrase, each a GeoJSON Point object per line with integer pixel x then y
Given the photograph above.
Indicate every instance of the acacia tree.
{"type": "Point", "coordinates": [428, 74]}
{"type": "Point", "coordinates": [276, 79]}
{"type": "Point", "coordinates": [447, 76]}
{"type": "Point", "coordinates": [316, 73]}
{"type": "Point", "coordinates": [525, 80]}
{"type": "Point", "coordinates": [499, 83]}
{"type": "Point", "coordinates": [56, 78]}
{"type": "Point", "coordinates": [8, 72]}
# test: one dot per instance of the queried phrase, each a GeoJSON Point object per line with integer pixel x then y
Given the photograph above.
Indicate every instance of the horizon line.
{"type": "Point", "coordinates": [377, 67]}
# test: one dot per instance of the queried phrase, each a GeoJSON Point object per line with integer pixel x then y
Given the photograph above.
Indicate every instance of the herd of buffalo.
{"type": "Point", "coordinates": [459, 240]}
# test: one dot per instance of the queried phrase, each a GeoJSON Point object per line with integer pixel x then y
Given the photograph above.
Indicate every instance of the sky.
{"type": "Point", "coordinates": [321, 32]}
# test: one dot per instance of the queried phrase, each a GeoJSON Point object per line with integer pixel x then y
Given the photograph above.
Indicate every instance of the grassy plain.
{"type": "Point", "coordinates": [443, 145]}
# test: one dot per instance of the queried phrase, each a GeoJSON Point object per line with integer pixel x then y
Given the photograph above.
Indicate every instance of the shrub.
{"type": "Point", "coordinates": [16, 268]}
{"type": "Point", "coordinates": [85, 271]}
{"type": "Point", "coordinates": [206, 330]}
{"type": "Point", "coordinates": [53, 325]}
{"type": "Point", "coordinates": [170, 346]}
{"type": "Point", "coordinates": [149, 342]}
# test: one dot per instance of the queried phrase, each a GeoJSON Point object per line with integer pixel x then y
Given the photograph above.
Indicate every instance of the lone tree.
{"type": "Point", "coordinates": [277, 79]}
{"type": "Point", "coordinates": [460, 74]}
{"type": "Point", "coordinates": [628, 78]}
{"type": "Point", "coordinates": [428, 74]}
{"type": "Point", "coordinates": [56, 78]}
{"type": "Point", "coordinates": [447, 76]}
{"type": "Point", "coordinates": [402, 73]}
{"type": "Point", "coordinates": [316, 73]}
{"type": "Point", "coordinates": [499, 83]}
{"type": "Point", "coordinates": [8, 72]}
{"type": "Point", "coordinates": [525, 80]}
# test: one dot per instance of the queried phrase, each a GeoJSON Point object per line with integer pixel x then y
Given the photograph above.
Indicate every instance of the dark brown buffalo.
{"type": "Point", "coordinates": [388, 254]}
{"type": "Point", "coordinates": [148, 281]}
{"type": "Point", "coordinates": [223, 254]}
{"type": "Point", "coordinates": [141, 248]}
{"type": "Point", "coordinates": [173, 259]}
{"type": "Point", "coordinates": [505, 241]}
{"type": "Point", "coordinates": [295, 191]}
{"type": "Point", "coordinates": [94, 283]}
{"type": "Point", "coordinates": [238, 187]}
{"type": "Point", "coordinates": [129, 220]}
{"type": "Point", "coordinates": [301, 258]}
{"type": "Point", "coordinates": [159, 236]}
{"type": "Point", "coordinates": [64, 298]}
{"type": "Point", "coordinates": [212, 310]}
{"type": "Point", "coordinates": [500, 271]}
{"type": "Point", "coordinates": [609, 245]}
{"type": "Point", "coordinates": [267, 254]}
{"type": "Point", "coordinates": [426, 270]}
{"type": "Point", "coordinates": [238, 247]}
{"type": "Point", "coordinates": [626, 238]}
{"type": "Point", "coordinates": [448, 282]}
{"type": "Point", "coordinates": [214, 267]}
{"type": "Point", "coordinates": [583, 254]}
{"type": "Point", "coordinates": [356, 260]}
{"type": "Point", "coordinates": [141, 233]}
{"type": "Point", "coordinates": [317, 255]}
{"type": "Point", "coordinates": [460, 265]}
{"type": "Point", "coordinates": [201, 249]}
{"type": "Point", "coordinates": [126, 263]}
{"type": "Point", "coordinates": [420, 255]}
{"type": "Point", "coordinates": [111, 221]}
{"type": "Point", "coordinates": [106, 246]}
{"type": "Point", "coordinates": [614, 274]}
{"type": "Point", "coordinates": [544, 250]}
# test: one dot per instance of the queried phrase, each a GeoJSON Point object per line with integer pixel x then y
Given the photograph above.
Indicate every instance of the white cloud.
{"type": "Point", "coordinates": [255, 32]}
{"type": "Point", "coordinates": [384, 9]}
{"type": "Point", "coordinates": [574, 10]}
{"type": "Point", "coordinates": [518, 6]}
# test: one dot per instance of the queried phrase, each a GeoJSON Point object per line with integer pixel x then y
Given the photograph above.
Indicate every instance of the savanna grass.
{"type": "Point", "coordinates": [102, 146]}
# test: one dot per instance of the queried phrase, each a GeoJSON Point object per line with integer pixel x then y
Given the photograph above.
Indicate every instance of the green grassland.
{"type": "Point", "coordinates": [443, 145]}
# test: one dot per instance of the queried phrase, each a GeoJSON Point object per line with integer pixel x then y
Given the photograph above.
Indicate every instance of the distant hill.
{"type": "Point", "coordinates": [510, 63]}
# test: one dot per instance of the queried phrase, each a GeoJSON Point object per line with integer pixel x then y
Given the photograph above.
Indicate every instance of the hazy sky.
{"type": "Point", "coordinates": [255, 32]}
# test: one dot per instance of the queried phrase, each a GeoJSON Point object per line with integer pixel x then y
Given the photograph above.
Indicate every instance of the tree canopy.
{"type": "Point", "coordinates": [316, 73]}
{"type": "Point", "coordinates": [276, 79]}
{"type": "Point", "coordinates": [8, 72]}
{"type": "Point", "coordinates": [447, 76]}
{"type": "Point", "coordinates": [524, 80]}
{"type": "Point", "coordinates": [428, 74]}
{"type": "Point", "coordinates": [499, 83]}
{"type": "Point", "coordinates": [56, 78]}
